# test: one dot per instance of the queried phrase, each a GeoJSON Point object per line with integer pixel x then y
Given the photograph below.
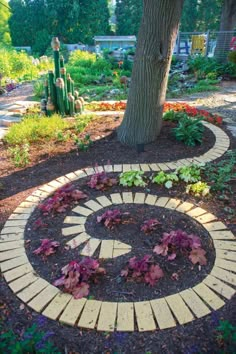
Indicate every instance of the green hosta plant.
{"type": "Point", "coordinates": [166, 178]}
{"type": "Point", "coordinates": [191, 173]}
{"type": "Point", "coordinates": [189, 131]}
{"type": "Point", "coordinates": [198, 189]}
{"type": "Point", "coordinates": [132, 178]}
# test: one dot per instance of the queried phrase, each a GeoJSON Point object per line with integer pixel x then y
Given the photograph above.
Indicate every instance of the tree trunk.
{"type": "Point", "coordinates": [143, 116]}
{"type": "Point", "coordinates": [227, 23]}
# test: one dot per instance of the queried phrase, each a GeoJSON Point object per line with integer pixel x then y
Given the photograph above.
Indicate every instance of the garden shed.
{"type": "Point", "coordinates": [113, 42]}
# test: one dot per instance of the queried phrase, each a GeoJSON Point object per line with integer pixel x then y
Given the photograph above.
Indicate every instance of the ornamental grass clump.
{"type": "Point", "coordinates": [76, 276]}
{"type": "Point", "coordinates": [178, 242]}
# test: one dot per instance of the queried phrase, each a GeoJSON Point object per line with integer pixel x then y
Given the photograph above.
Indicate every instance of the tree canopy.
{"type": "Point", "coordinates": [5, 37]}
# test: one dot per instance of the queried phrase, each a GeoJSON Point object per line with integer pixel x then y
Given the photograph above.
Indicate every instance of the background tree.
{"type": "Point", "coordinates": [5, 37]}
{"type": "Point", "coordinates": [189, 16]}
{"type": "Point", "coordinates": [128, 16]}
{"type": "Point", "coordinates": [156, 38]}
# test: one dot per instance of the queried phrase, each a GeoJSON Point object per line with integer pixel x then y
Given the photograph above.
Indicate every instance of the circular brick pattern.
{"type": "Point", "coordinates": [166, 312]}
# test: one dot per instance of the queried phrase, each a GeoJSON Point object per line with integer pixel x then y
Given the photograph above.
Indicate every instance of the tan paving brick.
{"type": "Point", "coordinates": [228, 265]}
{"type": "Point", "coordinates": [184, 207]}
{"type": "Point", "coordinates": [89, 171]}
{"type": "Point", "coordinates": [90, 247]}
{"type": "Point", "coordinates": [71, 176]}
{"type": "Point", "coordinates": [125, 317]}
{"type": "Point", "coordinates": [19, 216]}
{"type": "Point", "coordinates": [82, 211]}
{"type": "Point", "coordinates": [116, 198]}
{"type": "Point", "coordinates": [107, 317]}
{"type": "Point", "coordinates": [120, 252]}
{"type": "Point", "coordinates": [47, 188]}
{"type": "Point", "coordinates": [203, 219]}
{"type": "Point", "coordinates": [15, 223]}
{"type": "Point", "coordinates": [12, 230]}
{"type": "Point", "coordinates": [93, 205]}
{"type": "Point", "coordinates": [151, 199]}
{"type": "Point", "coordinates": [163, 167]}
{"type": "Point", "coordinates": [75, 220]}
{"type": "Point", "coordinates": [194, 302]}
{"type": "Point", "coordinates": [126, 167]}
{"type": "Point", "coordinates": [196, 212]}
{"type": "Point", "coordinates": [173, 203]}
{"type": "Point", "coordinates": [209, 296]}
{"type": "Point", "coordinates": [225, 245]}
{"type": "Point", "coordinates": [27, 205]}
{"type": "Point", "coordinates": [22, 210]}
{"type": "Point", "coordinates": [104, 201]}
{"type": "Point", "coordinates": [145, 167]}
{"type": "Point", "coordinates": [135, 167]}
{"type": "Point", "coordinates": [72, 230]}
{"type": "Point", "coordinates": [162, 201]}
{"type": "Point", "coordinates": [215, 226]}
{"type": "Point", "coordinates": [226, 254]}
{"type": "Point", "coordinates": [224, 275]}
{"type": "Point", "coordinates": [72, 311]}
{"type": "Point", "coordinates": [154, 167]}
{"type": "Point", "coordinates": [180, 310]}
{"type": "Point", "coordinates": [42, 299]}
{"type": "Point", "coordinates": [4, 256]}
{"type": "Point", "coordinates": [18, 272]}
{"type": "Point", "coordinates": [56, 306]}
{"type": "Point", "coordinates": [32, 290]}
{"type": "Point", "coordinates": [63, 180]}
{"type": "Point", "coordinates": [171, 165]}
{"type": "Point", "coordinates": [144, 316]}
{"type": "Point", "coordinates": [22, 282]}
{"type": "Point", "coordinates": [41, 194]}
{"type": "Point", "coordinates": [139, 198]}
{"type": "Point", "coordinates": [222, 235]}
{"type": "Point", "coordinates": [11, 245]}
{"type": "Point", "coordinates": [99, 169]}
{"type": "Point", "coordinates": [33, 199]}
{"type": "Point", "coordinates": [13, 263]}
{"type": "Point", "coordinates": [11, 237]}
{"type": "Point", "coordinates": [162, 314]}
{"type": "Point", "coordinates": [106, 250]}
{"type": "Point", "coordinates": [90, 314]}
{"type": "Point", "coordinates": [219, 287]}
{"type": "Point", "coordinates": [108, 168]}
{"type": "Point", "coordinates": [127, 197]}
{"type": "Point", "coordinates": [80, 174]}
{"type": "Point", "coordinates": [78, 240]}
{"type": "Point", "coordinates": [118, 168]}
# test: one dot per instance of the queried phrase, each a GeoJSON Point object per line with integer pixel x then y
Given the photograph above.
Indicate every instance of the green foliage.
{"type": "Point", "coordinates": [82, 121]}
{"type": "Point", "coordinates": [198, 189]}
{"type": "Point", "coordinates": [189, 131]}
{"type": "Point", "coordinates": [38, 88]}
{"type": "Point", "coordinates": [20, 155]}
{"type": "Point", "coordinates": [132, 178]}
{"type": "Point", "coordinates": [128, 16]}
{"type": "Point", "coordinates": [173, 116]}
{"type": "Point", "coordinates": [5, 37]}
{"type": "Point", "coordinates": [166, 179]}
{"type": "Point", "coordinates": [227, 336]}
{"type": "Point", "coordinates": [33, 340]}
{"type": "Point", "coordinates": [221, 173]}
{"type": "Point", "coordinates": [34, 128]}
{"type": "Point", "coordinates": [191, 173]}
{"type": "Point", "coordinates": [232, 56]}
{"type": "Point", "coordinates": [83, 144]}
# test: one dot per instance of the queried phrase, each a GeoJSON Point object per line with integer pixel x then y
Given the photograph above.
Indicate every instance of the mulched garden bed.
{"type": "Point", "coordinates": [57, 160]}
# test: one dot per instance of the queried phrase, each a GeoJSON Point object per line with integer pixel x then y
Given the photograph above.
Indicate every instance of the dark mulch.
{"type": "Point", "coordinates": [196, 337]}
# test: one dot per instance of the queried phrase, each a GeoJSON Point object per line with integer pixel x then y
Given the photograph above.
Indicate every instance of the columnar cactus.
{"type": "Point", "coordinates": [60, 94]}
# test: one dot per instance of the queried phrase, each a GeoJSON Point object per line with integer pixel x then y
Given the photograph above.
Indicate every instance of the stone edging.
{"type": "Point", "coordinates": [180, 308]}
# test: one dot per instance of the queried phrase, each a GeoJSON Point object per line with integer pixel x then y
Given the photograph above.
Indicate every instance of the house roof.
{"type": "Point", "coordinates": [114, 38]}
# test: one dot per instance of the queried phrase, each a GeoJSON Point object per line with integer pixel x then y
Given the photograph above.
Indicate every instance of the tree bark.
{"type": "Point", "coordinates": [227, 23]}
{"type": "Point", "coordinates": [143, 116]}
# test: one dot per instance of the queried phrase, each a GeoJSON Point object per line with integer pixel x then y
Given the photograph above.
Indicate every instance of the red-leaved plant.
{"type": "Point", "coordinates": [47, 247]}
{"type": "Point", "coordinates": [77, 274]}
{"type": "Point", "coordinates": [143, 270]}
{"type": "Point", "coordinates": [110, 218]}
{"type": "Point", "coordinates": [62, 199]}
{"type": "Point", "coordinates": [101, 181]}
{"type": "Point", "coordinates": [180, 242]}
{"type": "Point", "coordinates": [150, 225]}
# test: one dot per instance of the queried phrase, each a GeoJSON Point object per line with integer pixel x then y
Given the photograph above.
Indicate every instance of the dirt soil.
{"type": "Point", "coordinates": [55, 160]}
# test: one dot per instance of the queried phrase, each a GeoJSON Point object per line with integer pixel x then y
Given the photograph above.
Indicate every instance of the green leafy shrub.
{"type": "Point", "coordinates": [132, 178]}
{"type": "Point", "coordinates": [198, 189]}
{"type": "Point", "coordinates": [33, 340]}
{"type": "Point", "coordinates": [166, 179]}
{"type": "Point", "coordinates": [232, 56]}
{"type": "Point", "coordinates": [189, 131]}
{"type": "Point", "coordinates": [191, 173]}
{"type": "Point", "coordinates": [20, 155]}
{"type": "Point", "coordinates": [82, 121]}
{"type": "Point", "coordinates": [34, 128]}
